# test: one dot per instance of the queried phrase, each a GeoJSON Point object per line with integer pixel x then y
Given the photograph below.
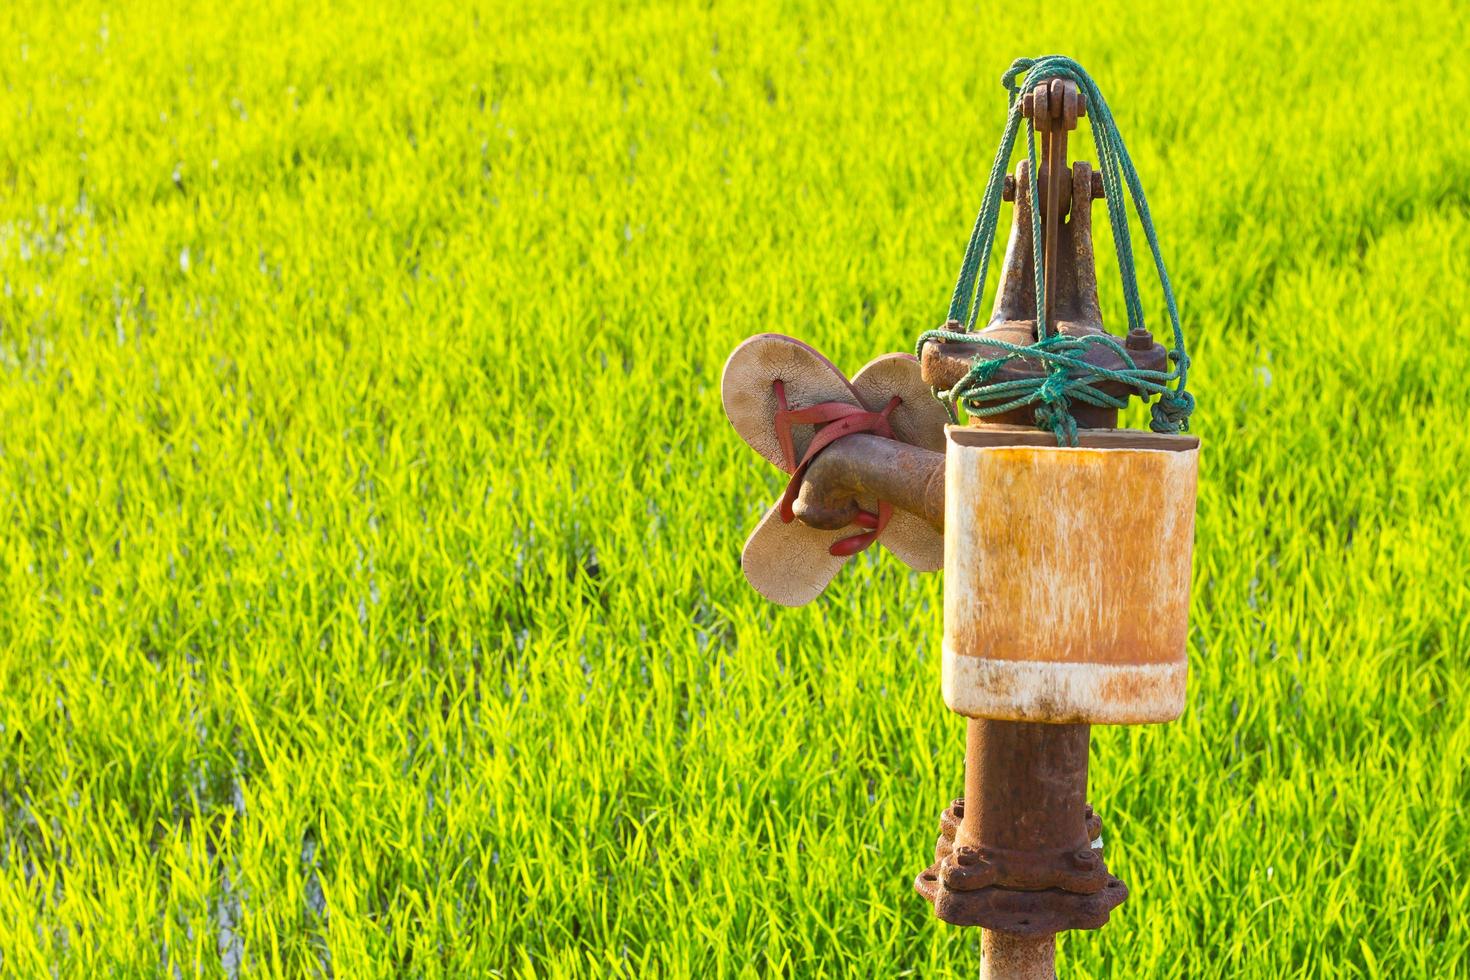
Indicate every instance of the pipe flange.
{"type": "Point", "coordinates": [966, 867]}
{"type": "Point", "coordinates": [1033, 913]}
{"type": "Point", "coordinates": [1031, 893]}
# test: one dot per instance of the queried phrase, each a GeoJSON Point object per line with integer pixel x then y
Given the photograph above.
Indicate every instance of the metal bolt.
{"type": "Point", "coordinates": [1008, 188]}
{"type": "Point", "coordinates": [1060, 100]}
{"type": "Point", "coordinates": [1140, 339]}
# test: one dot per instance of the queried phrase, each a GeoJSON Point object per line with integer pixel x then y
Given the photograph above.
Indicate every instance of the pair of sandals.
{"type": "Point", "coordinates": [788, 402]}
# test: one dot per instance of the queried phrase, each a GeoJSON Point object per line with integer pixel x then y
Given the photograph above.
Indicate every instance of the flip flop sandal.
{"type": "Point", "coordinates": [789, 402]}
{"type": "Point", "coordinates": [763, 369]}
{"type": "Point", "coordinates": [788, 562]}
{"type": "Point", "coordinates": [919, 420]}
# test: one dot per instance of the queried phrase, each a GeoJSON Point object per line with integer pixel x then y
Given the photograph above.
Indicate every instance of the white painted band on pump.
{"type": "Point", "coordinates": [1038, 690]}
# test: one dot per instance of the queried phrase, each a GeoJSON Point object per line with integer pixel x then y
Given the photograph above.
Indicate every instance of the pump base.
{"type": "Point", "coordinates": [971, 886]}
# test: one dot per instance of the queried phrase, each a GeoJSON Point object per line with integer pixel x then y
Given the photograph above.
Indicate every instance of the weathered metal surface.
{"type": "Point", "coordinates": [1016, 852]}
{"type": "Point", "coordinates": [1066, 590]}
{"type": "Point", "coordinates": [1071, 275]}
{"type": "Point", "coordinates": [1053, 110]}
{"type": "Point", "coordinates": [857, 467]}
{"type": "Point", "coordinates": [1028, 815]}
{"type": "Point", "coordinates": [1099, 190]}
{"type": "Point", "coordinates": [1007, 956]}
{"type": "Point", "coordinates": [1078, 106]}
{"type": "Point", "coordinates": [1037, 913]}
{"type": "Point", "coordinates": [1067, 575]}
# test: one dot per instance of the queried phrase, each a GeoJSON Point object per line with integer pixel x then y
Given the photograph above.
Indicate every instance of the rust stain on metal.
{"type": "Point", "coordinates": [860, 466]}
{"type": "Point", "coordinates": [1015, 853]}
{"type": "Point", "coordinates": [1071, 276]}
{"type": "Point", "coordinates": [1009, 956]}
{"type": "Point", "coordinates": [1067, 576]}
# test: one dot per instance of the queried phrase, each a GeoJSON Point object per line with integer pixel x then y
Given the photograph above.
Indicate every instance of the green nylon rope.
{"type": "Point", "coordinates": [1069, 377]}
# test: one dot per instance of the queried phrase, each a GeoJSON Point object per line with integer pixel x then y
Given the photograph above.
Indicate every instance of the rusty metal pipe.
{"type": "Point", "coordinates": [1007, 956]}
{"type": "Point", "coordinates": [861, 465]}
{"type": "Point", "coordinates": [1026, 788]}
{"type": "Point", "coordinates": [1026, 783]}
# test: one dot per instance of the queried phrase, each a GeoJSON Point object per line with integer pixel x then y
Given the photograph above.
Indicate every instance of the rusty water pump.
{"type": "Point", "coordinates": [1066, 541]}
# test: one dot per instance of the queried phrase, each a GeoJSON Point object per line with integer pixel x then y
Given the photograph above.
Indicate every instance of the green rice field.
{"type": "Point", "coordinates": [370, 599]}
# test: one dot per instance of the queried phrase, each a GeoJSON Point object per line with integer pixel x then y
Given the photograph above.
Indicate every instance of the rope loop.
{"type": "Point", "coordinates": [1171, 412]}
{"type": "Point", "coordinates": [1069, 377]}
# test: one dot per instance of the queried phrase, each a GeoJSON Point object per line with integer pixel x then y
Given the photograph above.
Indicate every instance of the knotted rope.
{"type": "Point", "coordinates": [1069, 378]}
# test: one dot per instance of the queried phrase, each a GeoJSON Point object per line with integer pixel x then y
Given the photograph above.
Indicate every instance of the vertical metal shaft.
{"type": "Point", "coordinates": [1053, 163]}
{"type": "Point", "coordinates": [1026, 783]}
{"type": "Point", "coordinates": [1006, 956]}
{"type": "Point", "coordinates": [1025, 786]}
{"type": "Point", "coordinates": [1025, 790]}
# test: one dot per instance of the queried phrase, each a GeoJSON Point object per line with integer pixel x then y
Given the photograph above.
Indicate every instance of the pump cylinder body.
{"type": "Point", "coordinates": [1067, 571]}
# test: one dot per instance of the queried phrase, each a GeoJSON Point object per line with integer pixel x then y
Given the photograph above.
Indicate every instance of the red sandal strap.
{"type": "Point", "coordinates": [834, 420]}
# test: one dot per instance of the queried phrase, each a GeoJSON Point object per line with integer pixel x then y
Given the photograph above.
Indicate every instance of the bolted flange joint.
{"type": "Point", "coordinates": [1035, 893]}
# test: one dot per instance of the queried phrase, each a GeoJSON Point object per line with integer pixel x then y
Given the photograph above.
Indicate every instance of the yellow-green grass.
{"type": "Point", "coordinates": [369, 587]}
